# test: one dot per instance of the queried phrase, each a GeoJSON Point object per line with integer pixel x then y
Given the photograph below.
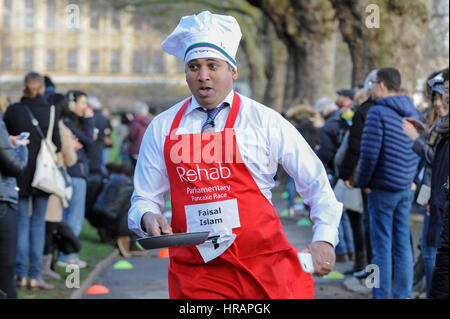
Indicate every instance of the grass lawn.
{"type": "Point", "coordinates": [92, 251]}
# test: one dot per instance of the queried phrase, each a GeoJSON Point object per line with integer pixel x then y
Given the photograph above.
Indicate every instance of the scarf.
{"type": "Point", "coordinates": [443, 125]}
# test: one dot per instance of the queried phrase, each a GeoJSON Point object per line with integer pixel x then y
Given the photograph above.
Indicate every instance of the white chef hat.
{"type": "Point", "coordinates": [205, 35]}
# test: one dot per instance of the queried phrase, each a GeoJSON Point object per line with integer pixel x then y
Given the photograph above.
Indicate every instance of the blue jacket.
{"type": "Point", "coordinates": [388, 161]}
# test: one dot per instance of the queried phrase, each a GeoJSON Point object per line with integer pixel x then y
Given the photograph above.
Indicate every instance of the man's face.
{"type": "Point", "coordinates": [343, 101]}
{"type": "Point", "coordinates": [210, 80]}
{"type": "Point", "coordinates": [377, 89]}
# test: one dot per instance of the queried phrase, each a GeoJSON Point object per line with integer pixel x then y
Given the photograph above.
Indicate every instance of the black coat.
{"type": "Point", "coordinates": [330, 138]}
{"type": "Point", "coordinates": [309, 132]}
{"type": "Point", "coordinates": [83, 129]}
{"type": "Point", "coordinates": [12, 162]}
{"type": "Point", "coordinates": [17, 120]}
{"type": "Point", "coordinates": [95, 150]}
{"type": "Point", "coordinates": [351, 157]}
{"type": "Point", "coordinates": [438, 198]}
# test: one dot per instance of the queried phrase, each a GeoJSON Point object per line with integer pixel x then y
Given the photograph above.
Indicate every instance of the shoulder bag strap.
{"type": "Point", "coordinates": [35, 122]}
{"type": "Point", "coordinates": [51, 123]}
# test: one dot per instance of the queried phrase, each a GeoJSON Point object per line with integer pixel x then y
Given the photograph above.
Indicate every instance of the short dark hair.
{"type": "Point", "coordinates": [126, 169]}
{"type": "Point", "coordinates": [445, 74]}
{"type": "Point", "coordinates": [390, 77]}
{"type": "Point", "coordinates": [74, 95]}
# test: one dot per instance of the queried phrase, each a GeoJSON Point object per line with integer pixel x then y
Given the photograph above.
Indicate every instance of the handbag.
{"type": "Point", "coordinates": [48, 177]}
{"type": "Point", "coordinates": [351, 199]}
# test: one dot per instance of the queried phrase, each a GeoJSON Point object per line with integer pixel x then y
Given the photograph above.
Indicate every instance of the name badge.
{"type": "Point", "coordinates": [219, 218]}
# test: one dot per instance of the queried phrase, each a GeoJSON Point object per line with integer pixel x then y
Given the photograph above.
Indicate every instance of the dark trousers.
{"type": "Point", "coordinates": [8, 246]}
{"type": "Point", "coordinates": [439, 283]}
{"type": "Point", "coordinates": [356, 220]}
{"type": "Point", "coordinates": [366, 221]}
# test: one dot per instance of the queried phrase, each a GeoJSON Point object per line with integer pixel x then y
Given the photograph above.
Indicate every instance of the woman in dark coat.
{"type": "Point", "coordinates": [439, 204]}
{"type": "Point", "coordinates": [80, 122]}
{"type": "Point", "coordinates": [426, 146]}
{"type": "Point", "coordinates": [31, 229]}
{"type": "Point", "coordinates": [12, 161]}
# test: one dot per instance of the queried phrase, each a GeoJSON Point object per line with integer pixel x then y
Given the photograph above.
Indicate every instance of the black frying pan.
{"type": "Point", "coordinates": [175, 240]}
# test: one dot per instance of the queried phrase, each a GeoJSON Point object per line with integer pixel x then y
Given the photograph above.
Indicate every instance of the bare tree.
{"type": "Point", "coordinates": [307, 28]}
{"type": "Point", "coordinates": [395, 41]}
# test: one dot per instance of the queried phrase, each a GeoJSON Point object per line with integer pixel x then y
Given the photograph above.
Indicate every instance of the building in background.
{"type": "Point", "coordinates": [86, 44]}
{"type": "Point", "coordinates": [84, 38]}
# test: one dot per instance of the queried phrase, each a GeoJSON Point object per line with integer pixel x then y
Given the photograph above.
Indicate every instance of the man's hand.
{"type": "Point", "coordinates": [323, 257]}
{"type": "Point", "coordinates": [348, 184]}
{"type": "Point", "coordinates": [155, 224]}
{"type": "Point", "coordinates": [410, 130]}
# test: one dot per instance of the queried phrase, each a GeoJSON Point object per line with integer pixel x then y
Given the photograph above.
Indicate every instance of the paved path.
{"type": "Point", "coordinates": [148, 278]}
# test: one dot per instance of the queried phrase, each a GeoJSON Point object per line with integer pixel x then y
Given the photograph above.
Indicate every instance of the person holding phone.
{"type": "Point", "coordinates": [80, 121]}
{"type": "Point", "coordinates": [31, 227]}
{"type": "Point", "coordinates": [425, 144]}
{"type": "Point", "coordinates": [199, 149]}
{"type": "Point", "coordinates": [439, 286]}
{"type": "Point", "coordinates": [13, 159]}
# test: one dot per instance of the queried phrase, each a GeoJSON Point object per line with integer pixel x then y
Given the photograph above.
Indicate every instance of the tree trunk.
{"type": "Point", "coordinates": [306, 28]}
{"type": "Point", "coordinates": [395, 42]}
{"type": "Point", "coordinates": [276, 71]}
{"type": "Point", "coordinates": [252, 47]}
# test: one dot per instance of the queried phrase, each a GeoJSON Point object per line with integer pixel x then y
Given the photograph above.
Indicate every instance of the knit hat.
{"type": "Point", "coordinates": [205, 35]}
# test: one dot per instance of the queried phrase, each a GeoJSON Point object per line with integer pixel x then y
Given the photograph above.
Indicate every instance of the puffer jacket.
{"type": "Point", "coordinates": [12, 162]}
{"type": "Point", "coordinates": [387, 160]}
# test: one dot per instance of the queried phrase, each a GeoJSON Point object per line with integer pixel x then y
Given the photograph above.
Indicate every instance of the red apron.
{"type": "Point", "coordinates": [212, 189]}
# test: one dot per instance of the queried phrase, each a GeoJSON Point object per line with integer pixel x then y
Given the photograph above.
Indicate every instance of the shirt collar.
{"type": "Point", "coordinates": [194, 104]}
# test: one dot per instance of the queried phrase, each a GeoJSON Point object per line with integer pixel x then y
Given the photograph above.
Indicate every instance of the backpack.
{"type": "Point", "coordinates": [114, 199]}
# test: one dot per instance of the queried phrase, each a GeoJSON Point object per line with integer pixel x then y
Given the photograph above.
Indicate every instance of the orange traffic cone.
{"type": "Point", "coordinates": [97, 290]}
{"type": "Point", "coordinates": [163, 253]}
